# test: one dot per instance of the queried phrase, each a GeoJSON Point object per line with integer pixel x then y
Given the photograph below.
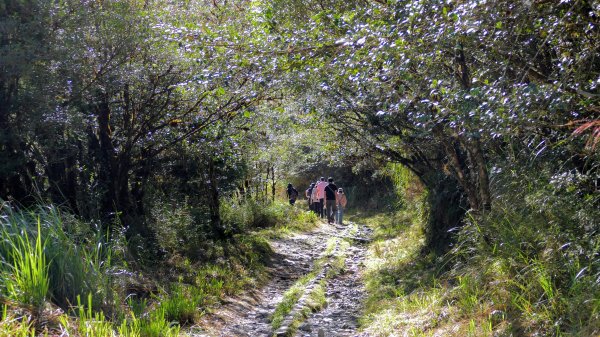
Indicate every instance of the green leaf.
{"type": "Point", "coordinates": [220, 91]}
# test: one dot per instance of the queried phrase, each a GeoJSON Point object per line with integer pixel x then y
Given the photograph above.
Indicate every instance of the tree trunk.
{"type": "Point", "coordinates": [273, 182]}
{"type": "Point", "coordinates": [63, 180]}
{"type": "Point", "coordinates": [446, 211]}
{"type": "Point", "coordinates": [462, 173]}
{"type": "Point", "coordinates": [467, 164]}
{"type": "Point", "coordinates": [482, 175]}
{"type": "Point", "coordinates": [266, 185]}
{"type": "Point", "coordinates": [108, 170]}
{"type": "Point", "coordinates": [213, 199]}
{"type": "Point", "coordinates": [15, 178]}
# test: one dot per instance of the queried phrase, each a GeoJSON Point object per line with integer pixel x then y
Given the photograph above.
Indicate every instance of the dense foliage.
{"type": "Point", "coordinates": [451, 90]}
{"type": "Point", "coordinates": [181, 120]}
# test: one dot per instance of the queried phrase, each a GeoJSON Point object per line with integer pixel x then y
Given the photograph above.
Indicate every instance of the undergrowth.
{"type": "Point", "coordinates": [62, 276]}
{"type": "Point", "coordinates": [529, 267]}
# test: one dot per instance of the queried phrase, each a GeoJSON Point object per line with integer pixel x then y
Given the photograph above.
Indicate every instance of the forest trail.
{"type": "Point", "coordinates": [310, 255]}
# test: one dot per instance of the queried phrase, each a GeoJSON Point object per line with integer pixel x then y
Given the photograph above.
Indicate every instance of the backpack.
{"type": "Point", "coordinates": [330, 191]}
{"type": "Point", "coordinates": [293, 193]}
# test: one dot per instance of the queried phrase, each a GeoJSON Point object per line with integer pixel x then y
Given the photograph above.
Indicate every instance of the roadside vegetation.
{"type": "Point", "coordinates": [59, 276]}
{"type": "Point", "coordinates": [524, 270]}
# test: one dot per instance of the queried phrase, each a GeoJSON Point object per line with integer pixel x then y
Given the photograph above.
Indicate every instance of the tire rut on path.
{"type": "Point", "coordinates": [344, 294]}
{"type": "Point", "coordinates": [248, 314]}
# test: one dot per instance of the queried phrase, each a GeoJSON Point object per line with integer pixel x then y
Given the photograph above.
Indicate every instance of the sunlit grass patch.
{"type": "Point", "coordinates": [317, 299]}
{"type": "Point", "coordinates": [271, 220]}
{"type": "Point", "coordinates": [290, 298]}
{"type": "Point", "coordinates": [297, 220]}
{"type": "Point", "coordinates": [338, 261]}
{"type": "Point", "coordinates": [403, 291]}
{"type": "Point", "coordinates": [15, 325]}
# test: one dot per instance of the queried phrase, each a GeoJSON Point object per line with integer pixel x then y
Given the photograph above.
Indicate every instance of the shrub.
{"type": "Point", "coordinates": [67, 264]}
{"type": "Point", "coordinates": [173, 224]}
{"type": "Point", "coordinates": [27, 282]}
{"type": "Point", "coordinates": [536, 254]}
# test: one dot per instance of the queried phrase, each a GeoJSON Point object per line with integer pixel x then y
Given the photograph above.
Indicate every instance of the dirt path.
{"type": "Point", "coordinates": [249, 314]}
{"type": "Point", "coordinates": [344, 293]}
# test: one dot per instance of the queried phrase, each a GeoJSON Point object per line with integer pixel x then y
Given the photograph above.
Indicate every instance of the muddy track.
{"type": "Point", "coordinates": [248, 314]}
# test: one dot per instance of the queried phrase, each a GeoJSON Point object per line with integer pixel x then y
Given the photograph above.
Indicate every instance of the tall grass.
{"type": "Point", "coordinates": [245, 215]}
{"type": "Point", "coordinates": [28, 281]}
{"type": "Point", "coordinates": [529, 267]}
{"type": "Point", "coordinates": [76, 259]}
{"type": "Point", "coordinates": [543, 277]}
{"type": "Point", "coordinates": [51, 256]}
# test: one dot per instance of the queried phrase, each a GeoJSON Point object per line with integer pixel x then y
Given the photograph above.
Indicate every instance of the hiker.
{"type": "Point", "coordinates": [341, 204]}
{"type": "Point", "coordinates": [292, 194]}
{"type": "Point", "coordinates": [308, 195]}
{"type": "Point", "coordinates": [330, 200]}
{"type": "Point", "coordinates": [314, 198]}
{"type": "Point", "coordinates": [321, 196]}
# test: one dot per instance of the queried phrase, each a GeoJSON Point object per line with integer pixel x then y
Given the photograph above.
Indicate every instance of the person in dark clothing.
{"type": "Point", "coordinates": [330, 200]}
{"type": "Point", "coordinates": [308, 195]}
{"type": "Point", "coordinates": [292, 194]}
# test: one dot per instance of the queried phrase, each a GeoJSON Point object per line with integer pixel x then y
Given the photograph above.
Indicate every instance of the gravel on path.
{"type": "Point", "coordinates": [248, 314]}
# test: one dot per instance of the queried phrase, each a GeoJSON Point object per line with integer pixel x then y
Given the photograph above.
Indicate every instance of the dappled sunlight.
{"type": "Point", "coordinates": [408, 296]}
{"type": "Point", "coordinates": [158, 163]}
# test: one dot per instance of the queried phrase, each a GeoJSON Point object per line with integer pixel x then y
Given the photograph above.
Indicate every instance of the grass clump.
{"type": "Point", "coordinates": [180, 305]}
{"type": "Point", "coordinates": [290, 298]}
{"type": "Point", "coordinates": [68, 258]}
{"type": "Point", "coordinates": [26, 280]}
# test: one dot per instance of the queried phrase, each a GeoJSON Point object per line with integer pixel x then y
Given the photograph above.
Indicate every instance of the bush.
{"type": "Point", "coordinates": [174, 224]}
{"type": "Point", "coordinates": [76, 262]}
{"type": "Point", "coordinates": [536, 256]}
{"type": "Point", "coordinates": [249, 214]}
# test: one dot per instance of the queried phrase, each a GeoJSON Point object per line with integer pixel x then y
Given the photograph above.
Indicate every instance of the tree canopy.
{"type": "Point", "coordinates": [105, 103]}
